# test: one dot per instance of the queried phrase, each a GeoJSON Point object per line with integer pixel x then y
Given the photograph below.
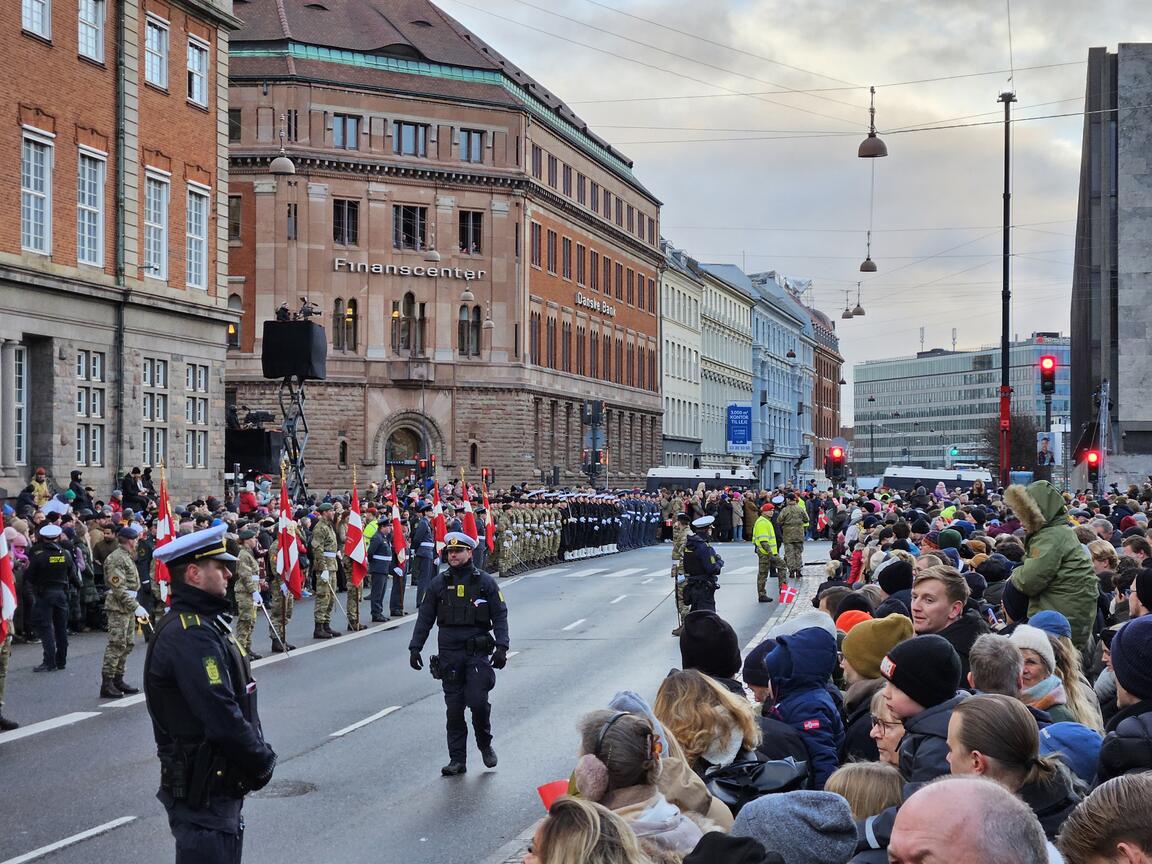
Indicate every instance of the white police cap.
{"type": "Point", "coordinates": [458, 540]}
{"type": "Point", "coordinates": [50, 531]}
{"type": "Point", "coordinates": [703, 522]}
{"type": "Point", "coordinates": [196, 546]}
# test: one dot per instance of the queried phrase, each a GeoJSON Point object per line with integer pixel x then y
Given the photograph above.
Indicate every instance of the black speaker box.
{"type": "Point", "coordinates": [294, 349]}
{"type": "Point", "coordinates": [255, 449]}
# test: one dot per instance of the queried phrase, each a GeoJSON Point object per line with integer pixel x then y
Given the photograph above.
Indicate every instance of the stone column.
{"type": "Point", "coordinates": [7, 404]}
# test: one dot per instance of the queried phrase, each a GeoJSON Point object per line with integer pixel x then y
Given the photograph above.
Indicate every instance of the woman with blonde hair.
{"type": "Point", "coordinates": [870, 788]}
{"type": "Point", "coordinates": [712, 725]}
{"type": "Point", "coordinates": [583, 832]}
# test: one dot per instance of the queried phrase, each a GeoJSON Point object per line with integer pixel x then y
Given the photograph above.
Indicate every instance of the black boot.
{"type": "Point", "coordinates": [318, 632]}
{"type": "Point", "coordinates": [122, 687]}
{"type": "Point", "coordinates": [7, 725]}
{"type": "Point", "coordinates": [332, 633]}
{"type": "Point", "coordinates": [489, 756]}
{"type": "Point", "coordinates": [764, 598]}
{"type": "Point", "coordinates": [380, 619]}
{"type": "Point", "coordinates": [108, 689]}
{"type": "Point", "coordinates": [454, 769]}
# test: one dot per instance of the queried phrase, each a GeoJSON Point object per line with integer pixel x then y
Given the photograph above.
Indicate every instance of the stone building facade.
{"type": "Point", "coordinates": [682, 294]}
{"type": "Point", "coordinates": [113, 265]}
{"type": "Point", "coordinates": [482, 262]}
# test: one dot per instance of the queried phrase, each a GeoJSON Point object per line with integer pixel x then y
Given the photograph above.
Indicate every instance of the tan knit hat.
{"type": "Point", "coordinates": [867, 643]}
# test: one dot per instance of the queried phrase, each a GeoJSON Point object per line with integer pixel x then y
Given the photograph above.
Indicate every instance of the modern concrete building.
{"type": "Point", "coordinates": [913, 410]}
{"type": "Point", "coordinates": [483, 261]}
{"type": "Point", "coordinates": [1112, 280]}
{"type": "Point", "coordinates": [682, 293]}
{"type": "Point", "coordinates": [726, 408]}
{"type": "Point", "coordinates": [113, 267]}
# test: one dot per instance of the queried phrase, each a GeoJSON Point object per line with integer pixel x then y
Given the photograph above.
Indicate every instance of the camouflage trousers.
{"type": "Point", "coordinates": [764, 566]}
{"type": "Point", "coordinates": [794, 557]}
{"type": "Point", "coordinates": [354, 598]}
{"type": "Point", "coordinates": [280, 609]}
{"type": "Point", "coordinates": [245, 620]}
{"type": "Point", "coordinates": [325, 598]}
{"type": "Point", "coordinates": [5, 656]}
{"type": "Point", "coordinates": [121, 630]}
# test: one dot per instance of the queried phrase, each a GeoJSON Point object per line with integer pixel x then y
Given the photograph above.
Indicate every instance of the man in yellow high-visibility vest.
{"type": "Point", "coordinates": [764, 539]}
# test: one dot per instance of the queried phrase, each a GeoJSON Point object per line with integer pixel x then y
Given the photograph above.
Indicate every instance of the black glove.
{"type": "Point", "coordinates": [500, 658]}
{"type": "Point", "coordinates": [415, 660]}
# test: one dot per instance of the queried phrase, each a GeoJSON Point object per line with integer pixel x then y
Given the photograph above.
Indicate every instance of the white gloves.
{"type": "Point", "coordinates": [140, 612]}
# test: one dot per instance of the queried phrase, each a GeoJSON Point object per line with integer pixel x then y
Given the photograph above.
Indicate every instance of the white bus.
{"type": "Point", "coordinates": [908, 477]}
{"type": "Point", "coordinates": [689, 478]}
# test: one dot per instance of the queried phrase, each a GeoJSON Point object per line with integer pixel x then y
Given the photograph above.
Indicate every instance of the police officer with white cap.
{"type": "Point", "coordinates": [50, 570]}
{"type": "Point", "coordinates": [469, 607]}
{"type": "Point", "coordinates": [202, 700]}
{"type": "Point", "coordinates": [701, 566]}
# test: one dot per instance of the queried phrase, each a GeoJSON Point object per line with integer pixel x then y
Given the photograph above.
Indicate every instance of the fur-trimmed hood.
{"type": "Point", "coordinates": [1036, 505]}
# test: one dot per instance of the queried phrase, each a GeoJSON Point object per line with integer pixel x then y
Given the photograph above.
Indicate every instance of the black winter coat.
{"type": "Point", "coordinates": [858, 743]}
{"type": "Point", "coordinates": [1052, 801]}
{"type": "Point", "coordinates": [963, 632]}
{"type": "Point", "coordinates": [924, 748]}
{"type": "Point", "coordinates": [1127, 747]}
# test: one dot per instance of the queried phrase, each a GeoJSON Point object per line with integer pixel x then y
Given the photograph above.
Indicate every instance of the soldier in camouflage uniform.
{"type": "Point", "coordinates": [280, 611]}
{"type": "Point", "coordinates": [325, 550]}
{"type": "Point", "coordinates": [680, 531]}
{"type": "Point", "coordinates": [121, 606]}
{"type": "Point", "coordinates": [247, 591]}
{"type": "Point", "coordinates": [355, 595]}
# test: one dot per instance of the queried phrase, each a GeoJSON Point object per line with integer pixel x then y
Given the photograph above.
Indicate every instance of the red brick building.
{"type": "Point", "coordinates": [113, 261]}
{"type": "Point", "coordinates": [826, 391]}
{"type": "Point", "coordinates": [482, 260]}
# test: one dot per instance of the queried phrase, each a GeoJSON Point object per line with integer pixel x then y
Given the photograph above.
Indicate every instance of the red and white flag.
{"type": "Point", "coordinates": [354, 541]}
{"type": "Point", "coordinates": [399, 544]}
{"type": "Point", "coordinates": [165, 532]}
{"type": "Point", "coordinates": [287, 548]}
{"type": "Point", "coordinates": [489, 524]}
{"type": "Point", "coordinates": [439, 523]}
{"type": "Point", "coordinates": [788, 594]}
{"type": "Point", "coordinates": [821, 521]}
{"type": "Point", "coordinates": [469, 520]}
{"type": "Point", "coordinates": [7, 588]}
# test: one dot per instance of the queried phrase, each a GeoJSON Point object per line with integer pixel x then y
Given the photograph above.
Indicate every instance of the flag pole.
{"type": "Point", "coordinates": [283, 578]}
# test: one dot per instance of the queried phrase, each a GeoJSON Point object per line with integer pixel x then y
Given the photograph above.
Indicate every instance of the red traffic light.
{"type": "Point", "coordinates": [1093, 457]}
{"type": "Point", "coordinates": [1048, 363]}
{"type": "Point", "coordinates": [837, 452]}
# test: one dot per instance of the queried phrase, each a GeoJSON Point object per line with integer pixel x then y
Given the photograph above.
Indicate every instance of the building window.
{"type": "Point", "coordinates": [619, 361]}
{"type": "Point", "coordinates": [631, 218]}
{"type": "Point", "coordinates": [408, 325]}
{"type": "Point", "coordinates": [595, 197]}
{"type": "Point", "coordinates": [36, 17]}
{"type": "Point", "coordinates": [468, 331]}
{"type": "Point", "coordinates": [235, 124]}
{"type": "Point", "coordinates": [537, 161]}
{"type": "Point", "coordinates": [580, 350]}
{"type": "Point", "coordinates": [534, 244]}
{"type": "Point", "coordinates": [534, 338]}
{"type": "Point", "coordinates": [651, 231]}
{"type": "Point", "coordinates": [338, 324]}
{"type": "Point", "coordinates": [196, 236]}
{"type": "Point", "coordinates": [640, 290]}
{"type": "Point", "coordinates": [345, 222]}
{"type": "Point", "coordinates": [550, 337]}
{"type": "Point", "coordinates": [651, 295]}
{"type": "Point", "coordinates": [619, 212]}
{"type": "Point", "coordinates": [342, 454]}
{"type": "Point", "coordinates": [594, 354]}
{"type": "Point", "coordinates": [156, 191]}
{"type": "Point", "coordinates": [90, 407]}
{"type": "Point", "coordinates": [36, 195]}
{"type": "Point", "coordinates": [290, 223]}
{"type": "Point", "coordinates": [566, 347]}
{"type": "Point", "coordinates": [594, 270]}
{"type": "Point", "coordinates": [580, 255]}
{"type": "Point", "coordinates": [198, 72]}
{"type": "Point", "coordinates": [234, 204]}
{"type": "Point", "coordinates": [346, 131]}
{"type": "Point", "coordinates": [409, 226]}
{"type": "Point", "coordinates": [551, 251]}
{"type": "Point", "coordinates": [292, 122]}
{"type": "Point", "coordinates": [552, 170]}
{"type": "Point", "coordinates": [410, 139]}
{"type": "Point", "coordinates": [90, 29]}
{"type": "Point", "coordinates": [631, 286]}
{"type": "Point", "coordinates": [568, 180]}
{"type": "Point", "coordinates": [619, 281]}
{"type": "Point", "coordinates": [471, 232]}
{"type": "Point", "coordinates": [90, 209]}
{"type": "Point", "coordinates": [581, 188]}
{"type": "Point", "coordinates": [473, 455]}
{"type": "Point", "coordinates": [349, 323]}
{"type": "Point", "coordinates": [566, 257]}
{"type": "Point", "coordinates": [607, 288]}
{"type": "Point", "coordinates": [471, 145]}
{"type": "Point", "coordinates": [156, 52]}
{"type": "Point", "coordinates": [196, 416]}
{"type": "Point", "coordinates": [20, 403]}
{"type": "Point", "coordinates": [607, 357]}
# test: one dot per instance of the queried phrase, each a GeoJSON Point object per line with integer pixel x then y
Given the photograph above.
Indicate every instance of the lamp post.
{"type": "Point", "coordinates": [872, 439]}
{"type": "Point", "coordinates": [1006, 299]}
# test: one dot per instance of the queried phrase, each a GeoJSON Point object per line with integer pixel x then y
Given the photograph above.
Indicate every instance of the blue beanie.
{"type": "Point", "coordinates": [1132, 657]}
{"type": "Point", "coordinates": [1077, 744]}
{"type": "Point", "coordinates": [1052, 623]}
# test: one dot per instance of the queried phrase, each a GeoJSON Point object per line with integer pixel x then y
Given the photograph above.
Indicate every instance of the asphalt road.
{"type": "Point", "coordinates": [360, 736]}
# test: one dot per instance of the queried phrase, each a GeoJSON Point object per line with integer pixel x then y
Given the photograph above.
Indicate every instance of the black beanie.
{"type": "Point", "coordinates": [921, 526]}
{"type": "Point", "coordinates": [926, 668]}
{"type": "Point", "coordinates": [855, 600]}
{"type": "Point", "coordinates": [709, 644]}
{"type": "Point", "coordinates": [755, 673]}
{"type": "Point", "coordinates": [896, 576]}
{"type": "Point", "coordinates": [1015, 602]}
{"type": "Point", "coordinates": [995, 568]}
{"type": "Point", "coordinates": [1142, 586]}
{"type": "Point", "coordinates": [716, 847]}
{"type": "Point", "coordinates": [1132, 657]}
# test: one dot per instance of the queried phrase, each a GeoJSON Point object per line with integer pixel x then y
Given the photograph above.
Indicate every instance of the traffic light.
{"type": "Point", "coordinates": [1047, 374]}
{"type": "Point", "coordinates": [433, 457]}
{"type": "Point", "coordinates": [484, 474]}
{"type": "Point", "coordinates": [1092, 460]}
{"type": "Point", "coordinates": [954, 451]}
{"type": "Point", "coordinates": [834, 463]}
{"type": "Point", "coordinates": [423, 463]}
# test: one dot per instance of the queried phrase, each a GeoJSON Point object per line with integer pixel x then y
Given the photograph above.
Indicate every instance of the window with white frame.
{"type": "Point", "coordinates": [90, 29]}
{"type": "Point", "coordinates": [156, 52]}
{"type": "Point", "coordinates": [196, 416]}
{"type": "Point", "coordinates": [196, 237]}
{"type": "Point", "coordinates": [20, 403]}
{"type": "Point", "coordinates": [155, 411]}
{"type": "Point", "coordinates": [90, 208]}
{"type": "Point", "coordinates": [90, 407]}
{"type": "Point", "coordinates": [198, 72]}
{"type": "Point", "coordinates": [156, 190]}
{"type": "Point", "coordinates": [36, 17]}
{"type": "Point", "coordinates": [36, 194]}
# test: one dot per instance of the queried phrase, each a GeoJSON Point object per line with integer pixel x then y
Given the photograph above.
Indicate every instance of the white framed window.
{"type": "Point", "coordinates": [190, 449]}
{"type": "Point", "coordinates": [147, 454]}
{"type": "Point", "coordinates": [190, 377]}
{"type": "Point", "coordinates": [82, 401]}
{"type": "Point", "coordinates": [156, 191]}
{"type": "Point", "coordinates": [156, 52]}
{"type": "Point", "coordinates": [96, 366]}
{"type": "Point", "coordinates": [20, 403]}
{"type": "Point", "coordinates": [198, 72]}
{"type": "Point", "coordinates": [82, 433]}
{"type": "Point", "coordinates": [96, 403]}
{"type": "Point", "coordinates": [189, 410]}
{"type": "Point", "coordinates": [160, 374]}
{"type": "Point", "coordinates": [36, 194]}
{"type": "Point", "coordinates": [90, 29]}
{"type": "Point", "coordinates": [160, 408]}
{"type": "Point", "coordinates": [36, 17]}
{"type": "Point", "coordinates": [202, 379]}
{"type": "Point", "coordinates": [201, 449]}
{"type": "Point", "coordinates": [155, 411]}
{"type": "Point", "coordinates": [196, 236]}
{"type": "Point", "coordinates": [90, 209]}
{"type": "Point", "coordinates": [159, 445]}
{"type": "Point", "coordinates": [81, 365]}
{"type": "Point", "coordinates": [96, 446]}
{"type": "Point", "coordinates": [149, 407]}
{"type": "Point", "coordinates": [147, 373]}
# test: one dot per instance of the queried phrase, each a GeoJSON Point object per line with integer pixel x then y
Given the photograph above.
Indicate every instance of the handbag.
{"type": "Point", "coordinates": [752, 776]}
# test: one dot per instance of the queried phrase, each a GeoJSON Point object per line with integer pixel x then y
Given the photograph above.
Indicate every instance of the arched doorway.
{"type": "Point", "coordinates": [403, 446]}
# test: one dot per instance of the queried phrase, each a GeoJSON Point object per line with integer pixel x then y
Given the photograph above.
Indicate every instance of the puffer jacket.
{"type": "Point", "coordinates": [1127, 747]}
{"type": "Point", "coordinates": [924, 748]}
{"type": "Point", "coordinates": [1056, 573]}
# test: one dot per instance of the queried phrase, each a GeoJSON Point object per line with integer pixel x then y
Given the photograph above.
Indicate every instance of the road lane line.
{"type": "Point", "coordinates": [574, 624]}
{"type": "Point", "coordinates": [123, 703]}
{"type": "Point", "coordinates": [619, 574]}
{"type": "Point", "coordinates": [46, 726]}
{"type": "Point", "coordinates": [70, 841]}
{"type": "Point", "coordinates": [581, 573]}
{"type": "Point", "coordinates": [361, 723]}
{"type": "Point", "coordinates": [649, 579]}
{"type": "Point", "coordinates": [617, 600]}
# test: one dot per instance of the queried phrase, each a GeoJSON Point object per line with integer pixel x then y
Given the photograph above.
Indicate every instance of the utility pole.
{"type": "Point", "coordinates": [1006, 300]}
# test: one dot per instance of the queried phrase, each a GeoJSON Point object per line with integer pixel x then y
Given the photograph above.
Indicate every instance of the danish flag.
{"type": "Point", "coordinates": [439, 523]}
{"type": "Point", "coordinates": [7, 588]}
{"type": "Point", "coordinates": [469, 520]}
{"type": "Point", "coordinates": [788, 594]}
{"type": "Point", "coordinates": [287, 548]}
{"type": "Point", "coordinates": [354, 541]}
{"type": "Point", "coordinates": [490, 524]}
{"type": "Point", "coordinates": [165, 532]}
{"type": "Point", "coordinates": [399, 545]}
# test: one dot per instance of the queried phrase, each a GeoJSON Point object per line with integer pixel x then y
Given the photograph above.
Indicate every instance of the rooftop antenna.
{"type": "Point", "coordinates": [921, 338]}
{"type": "Point", "coordinates": [953, 338]}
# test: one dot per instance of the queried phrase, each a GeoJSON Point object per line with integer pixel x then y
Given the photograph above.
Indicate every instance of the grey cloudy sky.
{"type": "Point", "coordinates": [937, 208]}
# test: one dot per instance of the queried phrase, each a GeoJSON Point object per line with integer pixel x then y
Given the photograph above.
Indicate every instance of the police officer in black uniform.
{"type": "Point", "coordinates": [202, 700]}
{"type": "Point", "coordinates": [701, 566]}
{"type": "Point", "coordinates": [469, 607]}
{"type": "Point", "coordinates": [51, 569]}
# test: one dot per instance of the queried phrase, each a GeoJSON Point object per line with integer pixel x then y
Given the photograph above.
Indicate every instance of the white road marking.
{"type": "Point", "coordinates": [619, 574]}
{"type": "Point", "coordinates": [574, 624]}
{"type": "Point", "coordinates": [581, 573]}
{"type": "Point", "coordinates": [361, 723]}
{"type": "Point", "coordinates": [70, 841]}
{"type": "Point", "coordinates": [511, 654]}
{"type": "Point", "coordinates": [649, 579]}
{"type": "Point", "coordinates": [343, 640]}
{"type": "Point", "coordinates": [45, 726]}
{"type": "Point", "coordinates": [617, 600]}
{"type": "Point", "coordinates": [123, 703]}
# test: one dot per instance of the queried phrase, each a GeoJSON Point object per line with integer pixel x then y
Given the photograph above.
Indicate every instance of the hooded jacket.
{"type": "Point", "coordinates": [800, 666]}
{"type": "Point", "coordinates": [964, 631]}
{"type": "Point", "coordinates": [1056, 573]}
{"type": "Point", "coordinates": [924, 748]}
{"type": "Point", "coordinates": [1127, 747]}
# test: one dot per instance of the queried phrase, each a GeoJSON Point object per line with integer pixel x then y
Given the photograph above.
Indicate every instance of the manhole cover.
{"type": "Point", "coordinates": [285, 789]}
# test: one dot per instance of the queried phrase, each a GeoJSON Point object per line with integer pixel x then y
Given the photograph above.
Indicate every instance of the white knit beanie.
{"type": "Point", "coordinates": [1035, 639]}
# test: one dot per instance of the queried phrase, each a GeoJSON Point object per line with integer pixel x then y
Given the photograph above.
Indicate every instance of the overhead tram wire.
{"type": "Point", "coordinates": [643, 63]}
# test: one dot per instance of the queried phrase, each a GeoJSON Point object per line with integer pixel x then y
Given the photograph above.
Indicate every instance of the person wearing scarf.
{"type": "Point", "coordinates": [1043, 689]}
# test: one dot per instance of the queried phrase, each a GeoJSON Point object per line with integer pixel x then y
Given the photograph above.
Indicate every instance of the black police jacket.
{"type": "Point", "coordinates": [50, 566]}
{"type": "Point", "coordinates": [700, 559]}
{"type": "Point", "coordinates": [200, 690]}
{"type": "Point", "coordinates": [469, 582]}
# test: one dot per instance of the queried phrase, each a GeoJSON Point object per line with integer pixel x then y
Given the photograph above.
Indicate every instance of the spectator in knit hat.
{"type": "Point", "coordinates": [716, 847]}
{"type": "Point", "coordinates": [709, 644]}
{"type": "Point", "coordinates": [1043, 689]}
{"type": "Point", "coordinates": [967, 819]}
{"type": "Point", "coordinates": [801, 827]}
{"type": "Point", "coordinates": [940, 604]}
{"type": "Point", "coordinates": [861, 652]}
{"type": "Point", "coordinates": [1127, 746]}
{"type": "Point", "coordinates": [1111, 824]}
{"type": "Point", "coordinates": [895, 580]}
